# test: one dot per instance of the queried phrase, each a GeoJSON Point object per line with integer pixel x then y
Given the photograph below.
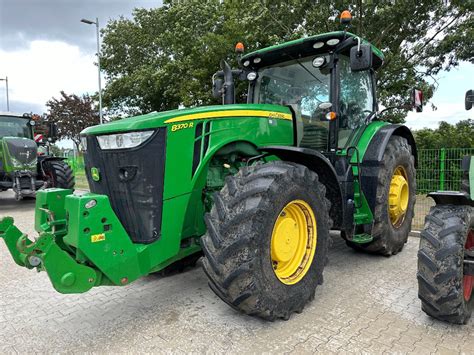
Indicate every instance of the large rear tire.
{"type": "Point", "coordinates": [395, 200]}
{"type": "Point", "coordinates": [267, 237]}
{"type": "Point", "coordinates": [446, 293]}
{"type": "Point", "coordinates": [59, 174]}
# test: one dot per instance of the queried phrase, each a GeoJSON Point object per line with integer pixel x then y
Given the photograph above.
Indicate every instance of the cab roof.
{"type": "Point", "coordinates": [303, 47]}
{"type": "Point", "coordinates": [13, 114]}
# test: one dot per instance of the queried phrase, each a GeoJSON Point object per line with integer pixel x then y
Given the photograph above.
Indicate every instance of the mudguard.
{"type": "Point", "coordinates": [320, 165]}
{"type": "Point", "coordinates": [373, 158]}
{"type": "Point", "coordinates": [451, 198]}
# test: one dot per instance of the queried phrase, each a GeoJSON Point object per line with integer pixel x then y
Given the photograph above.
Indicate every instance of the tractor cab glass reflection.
{"type": "Point", "coordinates": [14, 127]}
{"type": "Point", "coordinates": [299, 84]}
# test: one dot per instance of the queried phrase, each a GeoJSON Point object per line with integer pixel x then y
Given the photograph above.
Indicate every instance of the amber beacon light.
{"type": "Point", "coordinates": [239, 47]}
{"type": "Point", "coordinates": [346, 17]}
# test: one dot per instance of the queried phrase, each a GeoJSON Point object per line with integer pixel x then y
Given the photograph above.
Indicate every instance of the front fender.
{"type": "Point", "coordinates": [451, 198]}
{"type": "Point", "coordinates": [318, 163]}
{"type": "Point", "coordinates": [41, 164]}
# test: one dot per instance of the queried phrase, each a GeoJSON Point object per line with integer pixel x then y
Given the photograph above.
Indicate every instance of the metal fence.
{"type": "Point", "coordinates": [77, 164]}
{"type": "Point", "coordinates": [438, 170]}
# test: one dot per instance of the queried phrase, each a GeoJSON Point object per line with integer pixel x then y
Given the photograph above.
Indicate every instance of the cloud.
{"type": "Point", "coordinates": [23, 21]}
{"type": "Point", "coordinates": [43, 69]}
{"type": "Point", "coordinates": [448, 112]}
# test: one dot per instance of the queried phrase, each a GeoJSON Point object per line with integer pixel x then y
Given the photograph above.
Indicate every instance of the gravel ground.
{"type": "Point", "coordinates": [367, 304]}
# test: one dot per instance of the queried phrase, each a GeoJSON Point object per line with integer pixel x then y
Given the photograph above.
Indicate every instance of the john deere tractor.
{"type": "Point", "coordinates": [446, 253]}
{"type": "Point", "coordinates": [256, 187]}
{"type": "Point", "coordinates": [22, 167]}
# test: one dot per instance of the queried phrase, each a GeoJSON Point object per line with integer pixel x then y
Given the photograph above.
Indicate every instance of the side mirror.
{"type": "Point", "coordinates": [468, 100]}
{"type": "Point", "coordinates": [217, 85]}
{"type": "Point", "coordinates": [52, 132]}
{"type": "Point", "coordinates": [361, 57]}
{"type": "Point", "coordinates": [417, 100]}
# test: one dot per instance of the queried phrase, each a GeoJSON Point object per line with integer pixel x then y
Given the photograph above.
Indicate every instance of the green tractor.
{"type": "Point", "coordinates": [22, 167]}
{"type": "Point", "coordinates": [255, 188]}
{"type": "Point", "coordinates": [446, 253]}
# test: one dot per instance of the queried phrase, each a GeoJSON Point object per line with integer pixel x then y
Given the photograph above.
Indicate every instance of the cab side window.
{"type": "Point", "coordinates": [356, 100]}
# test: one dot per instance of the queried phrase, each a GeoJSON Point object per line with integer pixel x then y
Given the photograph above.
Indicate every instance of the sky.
{"type": "Point", "coordinates": [44, 48]}
{"type": "Point", "coordinates": [448, 98]}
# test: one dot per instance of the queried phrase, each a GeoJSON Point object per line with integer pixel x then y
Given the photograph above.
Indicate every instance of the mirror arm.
{"type": "Point", "coordinates": [403, 107]}
{"type": "Point", "coordinates": [220, 73]}
{"type": "Point", "coordinates": [347, 43]}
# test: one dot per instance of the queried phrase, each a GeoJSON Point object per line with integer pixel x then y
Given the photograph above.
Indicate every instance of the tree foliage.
{"type": "Point", "coordinates": [72, 114]}
{"type": "Point", "coordinates": [459, 135]}
{"type": "Point", "coordinates": [165, 57]}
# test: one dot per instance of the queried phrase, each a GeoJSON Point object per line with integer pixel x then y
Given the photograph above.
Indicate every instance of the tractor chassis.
{"type": "Point", "coordinates": [23, 183]}
{"type": "Point", "coordinates": [82, 244]}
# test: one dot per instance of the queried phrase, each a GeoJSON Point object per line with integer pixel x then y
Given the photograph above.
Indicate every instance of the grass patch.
{"type": "Point", "coordinates": [81, 180]}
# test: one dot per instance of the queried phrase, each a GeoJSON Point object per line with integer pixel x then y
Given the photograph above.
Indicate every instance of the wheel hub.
{"type": "Point", "coordinates": [293, 242]}
{"type": "Point", "coordinates": [286, 239]}
{"type": "Point", "coordinates": [399, 194]}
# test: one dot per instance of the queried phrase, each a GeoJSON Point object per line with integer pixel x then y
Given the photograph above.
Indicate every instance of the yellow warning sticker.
{"type": "Point", "coordinates": [97, 237]}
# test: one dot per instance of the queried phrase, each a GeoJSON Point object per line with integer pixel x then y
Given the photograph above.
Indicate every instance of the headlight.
{"type": "Point", "coordinates": [84, 143]}
{"type": "Point", "coordinates": [19, 165]}
{"type": "Point", "coordinates": [251, 76]}
{"type": "Point", "coordinates": [123, 140]}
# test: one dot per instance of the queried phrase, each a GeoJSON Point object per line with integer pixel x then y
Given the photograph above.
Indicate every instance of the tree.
{"type": "Point", "coordinates": [72, 114]}
{"type": "Point", "coordinates": [55, 150]}
{"type": "Point", "coordinates": [165, 57]}
{"type": "Point", "coordinates": [459, 135]}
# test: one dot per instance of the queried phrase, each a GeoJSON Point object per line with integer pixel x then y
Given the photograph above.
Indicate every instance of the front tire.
{"type": "Point", "coordinates": [395, 200]}
{"type": "Point", "coordinates": [59, 174]}
{"type": "Point", "coordinates": [445, 292]}
{"type": "Point", "coordinates": [255, 239]}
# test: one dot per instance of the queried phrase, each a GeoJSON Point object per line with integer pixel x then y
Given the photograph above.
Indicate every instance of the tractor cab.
{"type": "Point", "coordinates": [321, 78]}
{"type": "Point", "coordinates": [16, 126]}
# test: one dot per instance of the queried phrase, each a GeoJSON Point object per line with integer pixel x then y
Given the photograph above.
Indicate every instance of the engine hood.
{"type": "Point", "coordinates": [162, 119]}
{"type": "Point", "coordinates": [20, 152]}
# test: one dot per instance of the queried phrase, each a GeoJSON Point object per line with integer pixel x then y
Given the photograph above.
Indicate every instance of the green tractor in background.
{"type": "Point", "coordinates": [23, 167]}
{"type": "Point", "coordinates": [446, 253]}
{"type": "Point", "coordinates": [254, 187]}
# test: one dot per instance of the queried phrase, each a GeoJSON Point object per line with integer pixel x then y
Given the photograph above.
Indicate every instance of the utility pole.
{"type": "Point", "coordinates": [96, 23]}
{"type": "Point", "coordinates": [6, 84]}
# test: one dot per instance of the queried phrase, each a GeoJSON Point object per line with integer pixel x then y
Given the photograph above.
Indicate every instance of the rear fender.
{"type": "Point", "coordinates": [373, 158]}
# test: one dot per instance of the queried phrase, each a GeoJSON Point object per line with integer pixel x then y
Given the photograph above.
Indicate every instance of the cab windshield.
{"type": "Point", "coordinates": [14, 127]}
{"type": "Point", "coordinates": [306, 89]}
{"type": "Point", "coordinates": [295, 83]}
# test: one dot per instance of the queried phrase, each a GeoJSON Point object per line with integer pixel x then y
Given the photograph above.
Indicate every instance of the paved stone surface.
{"type": "Point", "coordinates": [367, 304]}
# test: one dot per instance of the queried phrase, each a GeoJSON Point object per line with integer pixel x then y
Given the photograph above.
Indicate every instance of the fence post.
{"type": "Point", "coordinates": [442, 169]}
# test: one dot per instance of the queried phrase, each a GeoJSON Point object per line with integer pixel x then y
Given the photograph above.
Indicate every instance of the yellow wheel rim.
{"type": "Point", "coordinates": [398, 196]}
{"type": "Point", "coordinates": [293, 243]}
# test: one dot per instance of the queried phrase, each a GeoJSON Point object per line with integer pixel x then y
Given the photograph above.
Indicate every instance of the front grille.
{"type": "Point", "coordinates": [25, 182]}
{"type": "Point", "coordinates": [133, 181]}
{"type": "Point", "coordinates": [23, 150]}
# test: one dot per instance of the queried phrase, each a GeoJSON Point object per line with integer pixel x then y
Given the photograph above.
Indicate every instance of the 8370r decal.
{"type": "Point", "coordinates": [179, 126]}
